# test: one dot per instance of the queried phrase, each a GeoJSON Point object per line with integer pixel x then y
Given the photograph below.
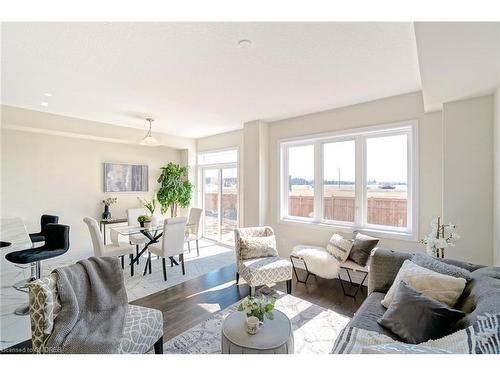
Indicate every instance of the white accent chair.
{"type": "Point", "coordinates": [136, 239]}
{"type": "Point", "coordinates": [261, 271]}
{"type": "Point", "coordinates": [116, 248]}
{"type": "Point", "coordinates": [172, 243]}
{"type": "Point", "coordinates": [193, 228]}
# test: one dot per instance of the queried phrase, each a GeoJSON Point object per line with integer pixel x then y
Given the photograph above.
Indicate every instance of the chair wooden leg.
{"type": "Point", "coordinates": [171, 262]}
{"type": "Point", "coordinates": [189, 246]}
{"type": "Point", "coordinates": [237, 278]}
{"type": "Point", "coordinates": [164, 263]}
{"type": "Point", "coordinates": [123, 262]}
{"type": "Point", "coordinates": [289, 286]}
{"type": "Point", "coordinates": [149, 261]}
{"type": "Point", "coordinates": [197, 248]}
{"type": "Point", "coordinates": [181, 258]}
{"type": "Point", "coordinates": [159, 346]}
{"type": "Point", "coordinates": [137, 253]}
{"type": "Point", "coordinates": [131, 264]}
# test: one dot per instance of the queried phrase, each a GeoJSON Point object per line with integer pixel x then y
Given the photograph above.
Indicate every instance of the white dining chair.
{"type": "Point", "coordinates": [116, 248]}
{"type": "Point", "coordinates": [136, 239]}
{"type": "Point", "coordinates": [172, 243]}
{"type": "Point", "coordinates": [193, 228]}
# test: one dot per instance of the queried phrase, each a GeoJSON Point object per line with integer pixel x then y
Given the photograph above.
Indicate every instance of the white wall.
{"type": "Point", "coordinates": [496, 168]}
{"type": "Point", "coordinates": [468, 176]}
{"type": "Point", "coordinates": [393, 109]}
{"type": "Point", "coordinates": [63, 174]}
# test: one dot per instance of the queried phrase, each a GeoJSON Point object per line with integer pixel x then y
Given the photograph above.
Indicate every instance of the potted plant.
{"type": "Point", "coordinates": [106, 215]}
{"type": "Point", "coordinates": [144, 220]}
{"type": "Point", "coordinates": [175, 189]}
{"type": "Point", "coordinates": [148, 205]}
{"type": "Point", "coordinates": [256, 309]}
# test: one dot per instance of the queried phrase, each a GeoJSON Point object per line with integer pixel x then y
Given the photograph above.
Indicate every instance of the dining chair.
{"type": "Point", "coordinates": [116, 248]}
{"type": "Point", "coordinates": [172, 243]}
{"type": "Point", "coordinates": [44, 220]}
{"type": "Point", "coordinates": [136, 239]}
{"type": "Point", "coordinates": [193, 228]}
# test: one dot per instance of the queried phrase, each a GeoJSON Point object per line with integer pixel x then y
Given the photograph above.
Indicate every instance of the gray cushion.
{"type": "Point", "coordinates": [480, 296]}
{"type": "Point", "coordinates": [369, 312]}
{"type": "Point", "coordinates": [361, 248]}
{"type": "Point", "coordinates": [437, 265]}
{"type": "Point", "coordinates": [417, 318]}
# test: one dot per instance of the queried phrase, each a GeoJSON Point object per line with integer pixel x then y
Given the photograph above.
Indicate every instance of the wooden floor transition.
{"type": "Point", "coordinates": [191, 302]}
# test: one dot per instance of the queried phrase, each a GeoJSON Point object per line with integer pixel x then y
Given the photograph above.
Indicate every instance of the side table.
{"type": "Point", "coordinates": [274, 337]}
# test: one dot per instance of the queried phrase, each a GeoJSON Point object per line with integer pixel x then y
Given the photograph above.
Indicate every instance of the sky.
{"type": "Point", "coordinates": [386, 160]}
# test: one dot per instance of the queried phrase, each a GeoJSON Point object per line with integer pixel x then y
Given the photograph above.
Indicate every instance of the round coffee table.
{"type": "Point", "coordinates": [274, 337]}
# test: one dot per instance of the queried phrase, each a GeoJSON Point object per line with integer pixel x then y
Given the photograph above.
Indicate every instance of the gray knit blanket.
{"type": "Point", "coordinates": [93, 306]}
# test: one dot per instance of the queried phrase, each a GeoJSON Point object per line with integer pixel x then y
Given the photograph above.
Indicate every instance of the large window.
{"type": "Point", "coordinates": [362, 179]}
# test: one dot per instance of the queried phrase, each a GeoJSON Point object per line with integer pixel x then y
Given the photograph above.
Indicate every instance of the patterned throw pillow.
{"type": "Point", "coordinates": [258, 247]}
{"type": "Point", "coordinates": [339, 247]}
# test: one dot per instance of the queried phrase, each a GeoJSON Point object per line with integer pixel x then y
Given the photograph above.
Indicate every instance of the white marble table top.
{"type": "Point", "coordinates": [14, 231]}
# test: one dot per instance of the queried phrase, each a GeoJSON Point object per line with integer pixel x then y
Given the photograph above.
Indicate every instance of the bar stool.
{"type": "Point", "coordinates": [44, 220]}
{"type": "Point", "coordinates": [56, 243]}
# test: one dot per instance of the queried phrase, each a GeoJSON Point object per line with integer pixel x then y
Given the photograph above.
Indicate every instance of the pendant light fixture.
{"type": "Point", "coordinates": [149, 140]}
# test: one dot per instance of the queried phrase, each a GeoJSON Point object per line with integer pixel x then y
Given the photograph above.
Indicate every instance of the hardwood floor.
{"type": "Point", "coordinates": [187, 304]}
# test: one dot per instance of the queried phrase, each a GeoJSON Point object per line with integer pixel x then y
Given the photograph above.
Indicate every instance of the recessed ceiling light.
{"type": "Point", "coordinates": [245, 43]}
{"type": "Point", "coordinates": [48, 94]}
{"type": "Point", "coordinates": [44, 104]}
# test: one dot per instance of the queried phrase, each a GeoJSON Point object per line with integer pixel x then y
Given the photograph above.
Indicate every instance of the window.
{"type": "Point", "coordinates": [362, 179]}
{"type": "Point", "coordinates": [301, 181]}
{"type": "Point", "coordinates": [339, 181]}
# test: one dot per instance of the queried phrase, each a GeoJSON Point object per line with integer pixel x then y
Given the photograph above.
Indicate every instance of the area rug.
{"type": "Point", "coordinates": [314, 328]}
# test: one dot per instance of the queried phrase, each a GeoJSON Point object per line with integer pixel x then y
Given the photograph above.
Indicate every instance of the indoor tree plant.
{"type": "Point", "coordinates": [175, 189]}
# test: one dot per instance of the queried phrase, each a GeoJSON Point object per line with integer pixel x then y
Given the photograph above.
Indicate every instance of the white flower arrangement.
{"type": "Point", "coordinates": [441, 237]}
{"type": "Point", "coordinates": [260, 307]}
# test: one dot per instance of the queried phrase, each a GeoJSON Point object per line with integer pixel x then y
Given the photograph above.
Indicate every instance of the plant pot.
{"type": "Point", "coordinates": [141, 223]}
{"type": "Point", "coordinates": [106, 214]}
{"type": "Point", "coordinates": [147, 224]}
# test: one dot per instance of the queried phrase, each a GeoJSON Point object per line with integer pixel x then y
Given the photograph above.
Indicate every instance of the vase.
{"type": "Point", "coordinates": [106, 214]}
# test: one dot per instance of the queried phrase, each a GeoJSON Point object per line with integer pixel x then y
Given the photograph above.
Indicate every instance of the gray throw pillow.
{"type": "Point", "coordinates": [361, 248]}
{"type": "Point", "coordinates": [417, 318]}
{"type": "Point", "coordinates": [433, 264]}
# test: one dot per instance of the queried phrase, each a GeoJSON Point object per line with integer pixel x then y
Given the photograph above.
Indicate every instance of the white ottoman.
{"type": "Point", "coordinates": [274, 337]}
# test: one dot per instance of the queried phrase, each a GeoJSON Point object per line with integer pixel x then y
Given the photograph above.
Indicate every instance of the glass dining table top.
{"type": "Point", "coordinates": [128, 230]}
{"type": "Point", "coordinates": [136, 229]}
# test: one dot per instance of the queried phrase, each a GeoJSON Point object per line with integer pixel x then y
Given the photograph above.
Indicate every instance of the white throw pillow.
{"type": "Point", "coordinates": [339, 247]}
{"type": "Point", "coordinates": [258, 247]}
{"type": "Point", "coordinates": [443, 288]}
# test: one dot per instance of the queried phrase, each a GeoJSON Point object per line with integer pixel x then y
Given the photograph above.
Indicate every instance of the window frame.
{"type": "Point", "coordinates": [360, 136]}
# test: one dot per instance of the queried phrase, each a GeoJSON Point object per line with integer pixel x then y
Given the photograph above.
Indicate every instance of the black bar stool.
{"type": "Point", "coordinates": [44, 220]}
{"type": "Point", "coordinates": [56, 243]}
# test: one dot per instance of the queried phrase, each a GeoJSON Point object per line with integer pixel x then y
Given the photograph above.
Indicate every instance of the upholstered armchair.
{"type": "Point", "coordinates": [260, 270]}
{"type": "Point", "coordinates": [143, 328]}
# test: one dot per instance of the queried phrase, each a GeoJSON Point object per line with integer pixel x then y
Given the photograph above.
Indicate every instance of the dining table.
{"type": "Point", "coordinates": [152, 232]}
{"type": "Point", "coordinates": [15, 237]}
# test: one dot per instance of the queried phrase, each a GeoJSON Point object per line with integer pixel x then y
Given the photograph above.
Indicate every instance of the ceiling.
{"type": "Point", "coordinates": [195, 80]}
{"type": "Point", "coordinates": [457, 60]}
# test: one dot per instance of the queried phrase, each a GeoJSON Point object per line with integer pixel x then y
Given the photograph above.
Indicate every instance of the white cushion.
{"type": "Point", "coordinates": [339, 247]}
{"type": "Point", "coordinates": [443, 288]}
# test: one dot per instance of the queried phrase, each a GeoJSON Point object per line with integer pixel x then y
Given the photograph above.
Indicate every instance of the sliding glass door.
{"type": "Point", "coordinates": [211, 203]}
{"type": "Point", "coordinates": [220, 202]}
